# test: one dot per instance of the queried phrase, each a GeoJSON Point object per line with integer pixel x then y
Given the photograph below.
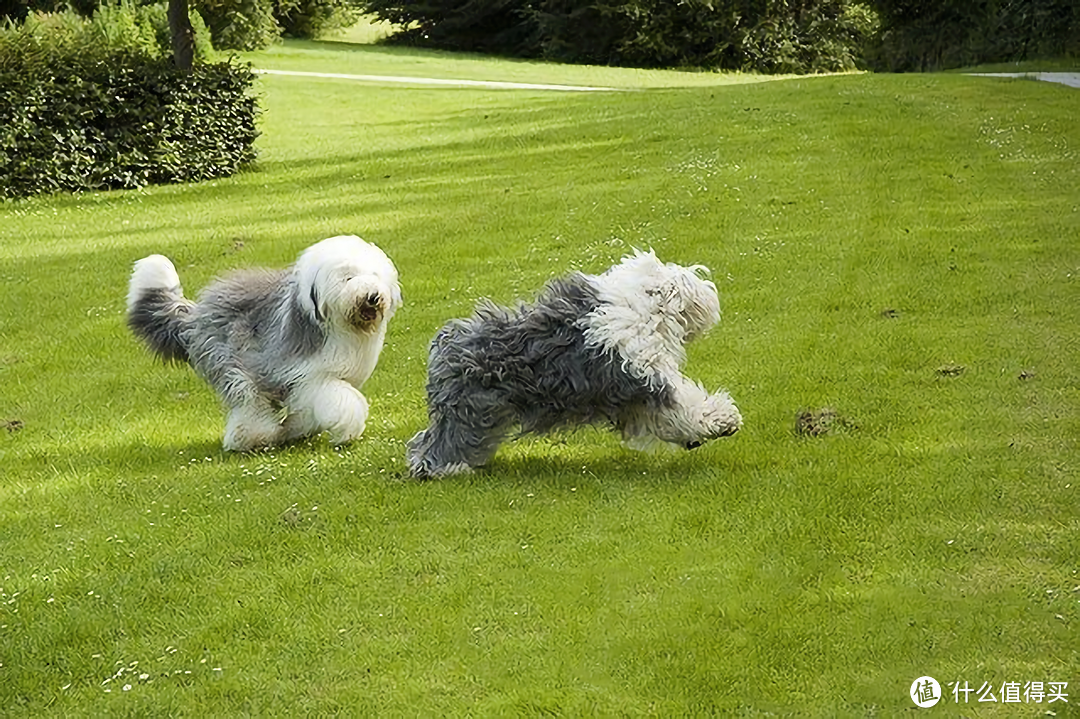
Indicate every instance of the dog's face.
{"type": "Point", "coordinates": [687, 292]}
{"type": "Point", "coordinates": [348, 284]}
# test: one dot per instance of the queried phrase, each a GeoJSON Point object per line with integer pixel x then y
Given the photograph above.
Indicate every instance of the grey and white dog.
{"type": "Point", "coordinates": [592, 349]}
{"type": "Point", "coordinates": [287, 350]}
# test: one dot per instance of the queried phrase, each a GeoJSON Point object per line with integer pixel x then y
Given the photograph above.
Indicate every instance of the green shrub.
{"type": "Point", "coordinates": [239, 24]}
{"type": "Point", "coordinates": [97, 104]}
{"type": "Point", "coordinates": [114, 29]}
{"type": "Point", "coordinates": [314, 18]}
{"type": "Point", "coordinates": [19, 10]}
{"type": "Point", "coordinates": [495, 26]}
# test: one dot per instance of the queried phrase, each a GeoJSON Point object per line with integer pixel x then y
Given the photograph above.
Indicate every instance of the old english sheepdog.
{"type": "Point", "coordinates": [287, 350]}
{"type": "Point", "coordinates": [592, 349]}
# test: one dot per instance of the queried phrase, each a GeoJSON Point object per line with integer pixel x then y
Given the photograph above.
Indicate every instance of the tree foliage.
{"type": "Point", "coordinates": [762, 35]}
{"type": "Point", "coordinates": [234, 24]}
{"type": "Point", "coordinates": [255, 24]}
{"type": "Point", "coordinates": [937, 34]}
{"type": "Point", "coordinates": [314, 18]}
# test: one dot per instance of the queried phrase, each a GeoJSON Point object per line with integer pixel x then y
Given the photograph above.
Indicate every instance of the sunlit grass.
{"type": "Point", "coordinates": [356, 53]}
{"type": "Point", "coordinates": [900, 249]}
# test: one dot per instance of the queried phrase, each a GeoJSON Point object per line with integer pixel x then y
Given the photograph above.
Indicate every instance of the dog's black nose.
{"type": "Point", "coordinates": [372, 300]}
{"type": "Point", "coordinates": [694, 445]}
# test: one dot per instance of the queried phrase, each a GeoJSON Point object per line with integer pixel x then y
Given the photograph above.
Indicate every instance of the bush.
{"type": "Point", "coordinates": [775, 36]}
{"type": "Point", "coordinates": [314, 18]}
{"type": "Point", "coordinates": [239, 24]}
{"type": "Point", "coordinates": [495, 26]}
{"type": "Point", "coordinates": [19, 10]}
{"type": "Point", "coordinates": [113, 29]}
{"type": "Point", "coordinates": [85, 109]}
{"type": "Point", "coordinates": [760, 35]}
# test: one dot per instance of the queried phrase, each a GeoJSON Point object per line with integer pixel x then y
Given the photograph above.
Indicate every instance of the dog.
{"type": "Point", "coordinates": [287, 350]}
{"type": "Point", "coordinates": [592, 349]}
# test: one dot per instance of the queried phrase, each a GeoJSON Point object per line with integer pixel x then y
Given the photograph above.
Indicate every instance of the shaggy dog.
{"type": "Point", "coordinates": [287, 350]}
{"type": "Point", "coordinates": [592, 348]}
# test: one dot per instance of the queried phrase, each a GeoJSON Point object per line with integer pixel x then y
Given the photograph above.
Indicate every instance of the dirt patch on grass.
{"type": "Point", "coordinates": [951, 370]}
{"type": "Point", "coordinates": [11, 425]}
{"type": "Point", "coordinates": [819, 422]}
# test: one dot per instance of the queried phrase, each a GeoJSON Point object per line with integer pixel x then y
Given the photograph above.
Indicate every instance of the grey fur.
{"type": "Point", "coordinates": [528, 367]}
{"type": "Point", "coordinates": [158, 318]}
{"type": "Point", "coordinates": [234, 337]}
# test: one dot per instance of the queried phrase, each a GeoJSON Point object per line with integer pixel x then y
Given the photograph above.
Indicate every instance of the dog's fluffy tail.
{"type": "Point", "coordinates": [156, 308]}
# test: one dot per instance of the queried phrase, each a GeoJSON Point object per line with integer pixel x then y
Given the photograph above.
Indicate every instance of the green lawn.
{"type": "Point", "coordinates": [900, 249]}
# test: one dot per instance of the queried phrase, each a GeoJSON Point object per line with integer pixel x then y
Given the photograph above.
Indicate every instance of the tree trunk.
{"type": "Point", "coordinates": [183, 36]}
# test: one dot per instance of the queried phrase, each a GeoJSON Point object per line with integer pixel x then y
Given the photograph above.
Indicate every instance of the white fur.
{"type": "Point", "coordinates": [649, 311]}
{"type": "Point", "coordinates": [326, 395]}
{"type": "Point", "coordinates": [152, 273]}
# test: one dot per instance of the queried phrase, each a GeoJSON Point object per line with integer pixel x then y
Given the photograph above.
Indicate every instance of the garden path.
{"type": "Point", "coordinates": [1072, 79]}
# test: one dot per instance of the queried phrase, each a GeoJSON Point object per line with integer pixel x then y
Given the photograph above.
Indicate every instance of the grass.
{"type": "Point", "coordinates": [355, 52]}
{"type": "Point", "coordinates": [897, 250]}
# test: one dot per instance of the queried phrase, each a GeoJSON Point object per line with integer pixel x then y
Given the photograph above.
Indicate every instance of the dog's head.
{"type": "Point", "coordinates": [681, 293]}
{"type": "Point", "coordinates": [347, 283]}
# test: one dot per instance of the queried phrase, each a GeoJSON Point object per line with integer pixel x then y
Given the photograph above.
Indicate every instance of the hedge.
{"type": "Point", "coordinates": [124, 124]}
{"type": "Point", "coordinates": [96, 104]}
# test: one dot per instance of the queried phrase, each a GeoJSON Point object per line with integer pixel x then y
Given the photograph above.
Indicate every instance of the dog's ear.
{"type": "Point", "coordinates": [316, 312]}
{"type": "Point", "coordinates": [306, 294]}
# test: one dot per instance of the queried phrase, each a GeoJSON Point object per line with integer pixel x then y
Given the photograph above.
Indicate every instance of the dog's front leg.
{"type": "Point", "coordinates": [252, 426]}
{"type": "Point", "coordinates": [697, 416]}
{"type": "Point", "coordinates": [334, 406]}
{"type": "Point", "coordinates": [691, 417]}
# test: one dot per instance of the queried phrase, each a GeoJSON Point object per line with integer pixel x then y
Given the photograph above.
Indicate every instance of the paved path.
{"type": "Point", "coordinates": [444, 83]}
{"type": "Point", "coordinates": [1072, 79]}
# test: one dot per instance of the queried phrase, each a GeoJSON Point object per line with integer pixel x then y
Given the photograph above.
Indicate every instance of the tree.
{"type": "Point", "coordinates": [183, 34]}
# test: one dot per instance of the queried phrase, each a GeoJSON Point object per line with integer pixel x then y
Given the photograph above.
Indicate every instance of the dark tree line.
{"type": "Point", "coordinates": [765, 35]}
{"type": "Point", "coordinates": [930, 34]}
{"type": "Point", "coordinates": [761, 35]}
